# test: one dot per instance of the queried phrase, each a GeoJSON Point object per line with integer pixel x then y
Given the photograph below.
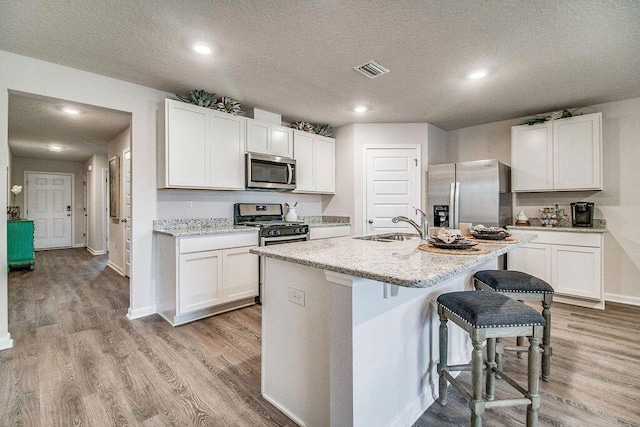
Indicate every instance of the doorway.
{"type": "Point", "coordinates": [49, 201]}
{"type": "Point", "coordinates": [392, 187]}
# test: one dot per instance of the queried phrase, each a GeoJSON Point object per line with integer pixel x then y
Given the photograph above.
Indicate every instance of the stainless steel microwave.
{"type": "Point", "coordinates": [266, 172]}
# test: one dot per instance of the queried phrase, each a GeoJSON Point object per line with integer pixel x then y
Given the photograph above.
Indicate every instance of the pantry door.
{"type": "Point", "coordinates": [49, 205]}
{"type": "Point", "coordinates": [393, 187]}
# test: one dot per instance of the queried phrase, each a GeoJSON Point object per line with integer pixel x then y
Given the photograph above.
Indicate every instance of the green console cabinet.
{"type": "Point", "coordinates": [20, 244]}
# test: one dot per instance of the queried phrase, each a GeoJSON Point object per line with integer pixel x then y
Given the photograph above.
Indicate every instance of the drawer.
{"type": "Point", "coordinates": [567, 238]}
{"type": "Point", "coordinates": [219, 241]}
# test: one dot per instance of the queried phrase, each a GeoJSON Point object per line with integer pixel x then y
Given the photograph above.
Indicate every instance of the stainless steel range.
{"type": "Point", "coordinates": [269, 217]}
{"type": "Point", "coordinates": [274, 230]}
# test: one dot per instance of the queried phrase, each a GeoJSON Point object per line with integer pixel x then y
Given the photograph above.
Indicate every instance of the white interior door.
{"type": "Point", "coordinates": [49, 206]}
{"type": "Point", "coordinates": [126, 155]}
{"type": "Point", "coordinates": [392, 188]}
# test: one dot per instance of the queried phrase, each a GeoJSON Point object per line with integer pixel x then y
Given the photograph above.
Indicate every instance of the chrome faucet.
{"type": "Point", "coordinates": [423, 229]}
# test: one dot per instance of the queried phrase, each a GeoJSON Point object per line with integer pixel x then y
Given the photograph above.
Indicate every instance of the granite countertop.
{"type": "Point", "coordinates": [599, 226]}
{"type": "Point", "coordinates": [209, 226]}
{"type": "Point", "coordinates": [399, 263]}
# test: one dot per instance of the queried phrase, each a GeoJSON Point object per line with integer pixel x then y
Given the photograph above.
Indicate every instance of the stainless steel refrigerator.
{"type": "Point", "coordinates": [478, 192]}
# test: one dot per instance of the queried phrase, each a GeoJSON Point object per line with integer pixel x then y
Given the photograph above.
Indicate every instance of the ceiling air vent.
{"type": "Point", "coordinates": [371, 69]}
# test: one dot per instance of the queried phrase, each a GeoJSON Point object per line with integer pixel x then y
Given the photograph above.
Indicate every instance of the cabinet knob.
{"type": "Point", "coordinates": [370, 221]}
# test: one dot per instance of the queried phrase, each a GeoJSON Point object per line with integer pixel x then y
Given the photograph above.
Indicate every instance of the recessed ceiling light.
{"type": "Point", "coordinates": [71, 111]}
{"type": "Point", "coordinates": [202, 49]}
{"type": "Point", "coordinates": [55, 148]}
{"type": "Point", "coordinates": [360, 108]}
{"type": "Point", "coordinates": [478, 74]}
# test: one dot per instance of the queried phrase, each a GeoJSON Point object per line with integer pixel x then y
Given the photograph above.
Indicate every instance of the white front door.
{"type": "Point", "coordinates": [49, 206]}
{"type": "Point", "coordinates": [393, 188]}
{"type": "Point", "coordinates": [127, 212]}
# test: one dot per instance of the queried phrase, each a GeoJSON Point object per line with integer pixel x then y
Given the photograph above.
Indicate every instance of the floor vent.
{"type": "Point", "coordinates": [371, 69]}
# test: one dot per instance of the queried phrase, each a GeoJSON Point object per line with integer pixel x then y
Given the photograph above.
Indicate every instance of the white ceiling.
{"type": "Point", "coordinates": [36, 123]}
{"type": "Point", "coordinates": [297, 57]}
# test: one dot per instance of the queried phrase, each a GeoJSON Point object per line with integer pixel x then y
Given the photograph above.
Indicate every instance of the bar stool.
{"type": "Point", "coordinates": [521, 286]}
{"type": "Point", "coordinates": [487, 316]}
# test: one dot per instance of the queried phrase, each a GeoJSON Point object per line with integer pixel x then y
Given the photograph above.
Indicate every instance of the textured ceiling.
{"type": "Point", "coordinates": [297, 57]}
{"type": "Point", "coordinates": [36, 123]}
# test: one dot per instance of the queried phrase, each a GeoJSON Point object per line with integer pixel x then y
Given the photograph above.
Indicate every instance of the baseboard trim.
{"type": "Point", "coordinates": [622, 299]}
{"type": "Point", "coordinates": [79, 245]}
{"type": "Point", "coordinates": [141, 312]}
{"type": "Point", "coordinates": [115, 268]}
{"type": "Point", "coordinates": [94, 252]}
{"type": "Point", "coordinates": [6, 342]}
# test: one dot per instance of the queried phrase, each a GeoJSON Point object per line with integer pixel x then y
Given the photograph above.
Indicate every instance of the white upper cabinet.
{"type": "Point", "coordinates": [227, 146]}
{"type": "Point", "coordinates": [577, 153]}
{"type": "Point", "coordinates": [305, 165]}
{"type": "Point", "coordinates": [199, 148]}
{"type": "Point", "coordinates": [564, 154]}
{"type": "Point", "coordinates": [268, 138]}
{"type": "Point", "coordinates": [186, 145]}
{"type": "Point", "coordinates": [315, 163]}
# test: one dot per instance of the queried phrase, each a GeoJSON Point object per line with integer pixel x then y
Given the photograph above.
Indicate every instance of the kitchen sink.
{"type": "Point", "coordinates": [389, 237]}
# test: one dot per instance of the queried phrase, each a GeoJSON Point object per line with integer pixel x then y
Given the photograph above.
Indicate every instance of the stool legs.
{"type": "Point", "coordinates": [546, 337]}
{"type": "Point", "coordinates": [491, 365]}
{"type": "Point", "coordinates": [444, 354]}
{"type": "Point", "coordinates": [477, 364]}
{"type": "Point", "coordinates": [534, 372]}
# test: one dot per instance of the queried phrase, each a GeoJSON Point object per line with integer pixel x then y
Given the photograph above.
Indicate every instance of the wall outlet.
{"type": "Point", "coordinates": [296, 296]}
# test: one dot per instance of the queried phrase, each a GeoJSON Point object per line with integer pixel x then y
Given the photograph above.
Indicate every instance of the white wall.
{"type": "Point", "coordinates": [350, 142]}
{"type": "Point", "coordinates": [437, 146]}
{"type": "Point", "coordinates": [42, 78]}
{"type": "Point", "coordinates": [618, 202]}
{"type": "Point", "coordinates": [115, 147]}
{"type": "Point", "coordinates": [96, 204]}
{"type": "Point", "coordinates": [22, 164]}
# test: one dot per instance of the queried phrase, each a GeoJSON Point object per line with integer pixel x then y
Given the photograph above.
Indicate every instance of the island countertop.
{"type": "Point", "coordinates": [398, 263]}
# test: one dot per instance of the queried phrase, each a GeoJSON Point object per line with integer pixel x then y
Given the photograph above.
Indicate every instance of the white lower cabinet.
{"type": "Point", "coordinates": [570, 262]}
{"type": "Point", "coordinates": [200, 281]}
{"type": "Point", "coordinates": [199, 276]}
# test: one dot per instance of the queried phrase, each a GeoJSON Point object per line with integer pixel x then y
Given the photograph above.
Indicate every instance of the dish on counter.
{"type": "Point", "coordinates": [489, 233]}
{"type": "Point", "coordinates": [459, 243]}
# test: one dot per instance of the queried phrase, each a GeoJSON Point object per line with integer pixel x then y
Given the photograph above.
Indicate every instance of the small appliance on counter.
{"type": "Point", "coordinates": [582, 214]}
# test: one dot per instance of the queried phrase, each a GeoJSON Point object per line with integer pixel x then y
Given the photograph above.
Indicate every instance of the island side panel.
{"type": "Point", "coordinates": [295, 342]}
{"type": "Point", "coordinates": [395, 349]}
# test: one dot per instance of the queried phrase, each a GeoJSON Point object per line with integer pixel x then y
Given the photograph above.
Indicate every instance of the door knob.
{"type": "Point", "coordinates": [370, 221]}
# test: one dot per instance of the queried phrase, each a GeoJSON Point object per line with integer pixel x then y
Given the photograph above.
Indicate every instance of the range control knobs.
{"type": "Point", "coordinates": [274, 232]}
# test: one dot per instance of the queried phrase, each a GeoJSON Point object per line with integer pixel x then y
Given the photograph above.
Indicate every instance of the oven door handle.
{"type": "Point", "coordinates": [297, 237]}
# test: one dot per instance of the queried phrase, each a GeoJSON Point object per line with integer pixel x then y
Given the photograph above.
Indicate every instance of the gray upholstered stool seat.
{"type": "Point", "coordinates": [486, 316]}
{"type": "Point", "coordinates": [521, 286]}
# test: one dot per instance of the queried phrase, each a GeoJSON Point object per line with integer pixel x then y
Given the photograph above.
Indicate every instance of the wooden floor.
{"type": "Point", "coordinates": [79, 361]}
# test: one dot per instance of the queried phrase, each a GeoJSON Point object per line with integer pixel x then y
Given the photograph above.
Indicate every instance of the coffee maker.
{"type": "Point", "coordinates": [582, 214]}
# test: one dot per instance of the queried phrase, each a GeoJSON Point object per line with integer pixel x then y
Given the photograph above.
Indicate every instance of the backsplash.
{"type": "Point", "coordinates": [219, 204]}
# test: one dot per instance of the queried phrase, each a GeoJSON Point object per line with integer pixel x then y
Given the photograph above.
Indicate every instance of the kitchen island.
{"type": "Point", "coordinates": [350, 327]}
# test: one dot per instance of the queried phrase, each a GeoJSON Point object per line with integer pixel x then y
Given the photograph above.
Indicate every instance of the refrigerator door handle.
{"type": "Point", "coordinates": [456, 223]}
{"type": "Point", "coordinates": [452, 204]}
